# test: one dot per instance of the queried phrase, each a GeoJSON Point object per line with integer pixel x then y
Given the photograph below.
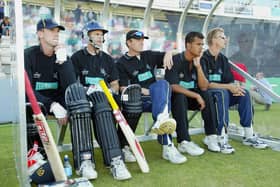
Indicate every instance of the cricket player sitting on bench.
{"type": "Point", "coordinates": [49, 75]}
{"type": "Point", "coordinates": [137, 67]}
{"type": "Point", "coordinates": [91, 64]}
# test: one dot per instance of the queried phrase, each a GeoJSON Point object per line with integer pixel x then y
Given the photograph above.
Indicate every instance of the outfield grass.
{"type": "Point", "coordinates": [247, 167]}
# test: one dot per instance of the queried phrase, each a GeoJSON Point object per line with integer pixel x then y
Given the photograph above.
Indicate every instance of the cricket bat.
{"type": "Point", "coordinates": [272, 94]}
{"type": "Point", "coordinates": [128, 133]}
{"type": "Point", "coordinates": [45, 134]}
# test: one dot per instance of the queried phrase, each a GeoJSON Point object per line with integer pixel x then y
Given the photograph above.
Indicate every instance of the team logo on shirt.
{"type": "Point", "coordinates": [103, 72]}
{"type": "Point", "coordinates": [193, 76]}
{"type": "Point", "coordinates": [145, 76]}
{"type": "Point", "coordinates": [84, 72]}
{"type": "Point", "coordinates": [37, 75]}
{"type": "Point", "coordinates": [55, 75]}
{"type": "Point", "coordinates": [148, 67]}
{"type": "Point", "coordinates": [181, 75]}
{"type": "Point", "coordinates": [135, 73]}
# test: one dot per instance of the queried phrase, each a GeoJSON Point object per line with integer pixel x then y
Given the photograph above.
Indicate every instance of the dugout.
{"type": "Point", "coordinates": [165, 23]}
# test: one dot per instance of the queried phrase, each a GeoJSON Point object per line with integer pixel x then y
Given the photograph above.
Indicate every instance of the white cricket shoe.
{"type": "Point", "coordinates": [119, 170]}
{"type": "Point", "coordinates": [87, 170]}
{"type": "Point", "coordinates": [212, 143]}
{"type": "Point", "coordinates": [128, 155]}
{"type": "Point", "coordinates": [255, 142]}
{"type": "Point", "coordinates": [225, 147]}
{"type": "Point", "coordinates": [173, 155]}
{"type": "Point", "coordinates": [190, 147]}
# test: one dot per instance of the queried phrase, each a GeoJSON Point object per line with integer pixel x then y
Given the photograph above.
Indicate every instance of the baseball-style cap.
{"type": "Point", "coordinates": [48, 24]}
{"type": "Point", "coordinates": [136, 35]}
{"type": "Point", "coordinates": [93, 26]}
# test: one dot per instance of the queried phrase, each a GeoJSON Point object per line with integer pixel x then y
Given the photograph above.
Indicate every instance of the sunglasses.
{"type": "Point", "coordinates": [137, 34]}
{"type": "Point", "coordinates": [222, 37]}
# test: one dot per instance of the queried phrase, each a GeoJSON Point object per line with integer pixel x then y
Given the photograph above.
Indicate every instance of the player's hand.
{"type": "Point", "coordinates": [196, 60]}
{"type": "Point", "coordinates": [200, 102]}
{"type": "Point", "coordinates": [58, 110]}
{"type": "Point", "coordinates": [237, 90]}
{"type": "Point", "coordinates": [167, 60]}
{"type": "Point", "coordinates": [61, 54]}
{"type": "Point", "coordinates": [145, 91]}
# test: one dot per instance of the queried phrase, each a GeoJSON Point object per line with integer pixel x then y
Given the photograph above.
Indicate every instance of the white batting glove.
{"type": "Point", "coordinates": [58, 110]}
{"type": "Point", "coordinates": [94, 88]}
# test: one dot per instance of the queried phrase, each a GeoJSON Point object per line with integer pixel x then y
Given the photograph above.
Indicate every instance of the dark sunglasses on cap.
{"type": "Point", "coordinates": [137, 35]}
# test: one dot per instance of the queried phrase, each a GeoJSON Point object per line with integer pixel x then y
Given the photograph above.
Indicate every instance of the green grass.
{"type": "Point", "coordinates": [247, 167]}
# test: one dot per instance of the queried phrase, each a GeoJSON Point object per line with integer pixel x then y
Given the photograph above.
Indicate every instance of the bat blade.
{"type": "Point", "coordinates": [128, 133]}
{"type": "Point", "coordinates": [45, 134]}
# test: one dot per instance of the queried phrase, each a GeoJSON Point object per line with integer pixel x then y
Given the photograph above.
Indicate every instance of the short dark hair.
{"type": "Point", "coordinates": [191, 35]}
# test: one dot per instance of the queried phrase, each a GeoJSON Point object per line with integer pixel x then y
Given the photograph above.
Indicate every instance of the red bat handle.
{"type": "Point", "coordinates": [30, 94]}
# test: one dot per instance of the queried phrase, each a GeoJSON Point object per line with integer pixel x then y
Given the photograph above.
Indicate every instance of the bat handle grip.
{"type": "Point", "coordinates": [30, 94]}
{"type": "Point", "coordinates": [108, 95]}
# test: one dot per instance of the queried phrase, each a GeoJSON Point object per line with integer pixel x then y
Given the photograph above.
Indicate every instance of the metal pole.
{"type": "Point", "coordinates": [104, 20]}
{"type": "Point", "coordinates": [207, 20]}
{"type": "Point", "coordinates": [147, 14]}
{"type": "Point", "coordinates": [22, 167]}
{"type": "Point", "coordinates": [57, 9]}
{"type": "Point", "coordinates": [181, 25]}
{"type": "Point", "coordinates": [105, 13]}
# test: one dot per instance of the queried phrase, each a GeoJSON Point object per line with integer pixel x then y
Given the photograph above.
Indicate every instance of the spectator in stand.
{"type": "Point", "coordinates": [5, 27]}
{"type": "Point", "coordinates": [244, 54]}
{"type": "Point", "coordinates": [78, 14]}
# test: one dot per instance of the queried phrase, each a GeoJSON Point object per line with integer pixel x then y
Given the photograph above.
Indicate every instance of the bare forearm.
{"type": "Point", "coordinates": [115, 85]}
{"type": "Point", "coordinates": [202, 82]}
{"type": "Point", "coordinates": [219, 85]}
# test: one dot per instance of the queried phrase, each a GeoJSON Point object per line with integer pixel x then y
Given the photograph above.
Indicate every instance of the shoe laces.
{"type": "Point", "coordinates": [190, 144]}
{"type": "Point", "coordinates": [117, 162]}
{"type": "Point", "coordinates": [86, 164]}
{"type": "Point", "coordinates": [126, 150]}
{"type": "Point", "coordinates": [193, 145]}
{"type": "Point", "coordinates": [256, 140]}
{"type": "Point", "coordinates": [172, 149]}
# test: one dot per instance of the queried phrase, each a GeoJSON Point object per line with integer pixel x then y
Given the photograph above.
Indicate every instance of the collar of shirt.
{"type": "Point", "coordinates": [209, 55]}
{"type": "Point", "coordinates": [131, 57]}
{"type": "Point", "coordinates": [86, 52]}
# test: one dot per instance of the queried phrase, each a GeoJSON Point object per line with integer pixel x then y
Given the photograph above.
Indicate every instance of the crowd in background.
{"type": "Point", "coordinates": [257, 40]}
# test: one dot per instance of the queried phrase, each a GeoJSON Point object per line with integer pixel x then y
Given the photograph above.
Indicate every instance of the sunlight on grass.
{"type": "Point", "coordinates": [247, 167]}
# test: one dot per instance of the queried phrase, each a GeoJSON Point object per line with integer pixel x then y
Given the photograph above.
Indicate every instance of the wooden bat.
{"type": "Point", "coordinates": [45, 134]}
{"type": "Point", "coordinates": [128, 133]}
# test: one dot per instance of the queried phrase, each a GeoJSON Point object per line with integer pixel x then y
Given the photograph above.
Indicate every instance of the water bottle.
{"type": "Point", "coordinates": [67, 166]}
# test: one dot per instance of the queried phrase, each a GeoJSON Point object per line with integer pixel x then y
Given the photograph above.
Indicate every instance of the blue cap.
{"type": "Point", "coordinates": [48, 24]}
{"type": "Point", "coordinates": [94, 26]}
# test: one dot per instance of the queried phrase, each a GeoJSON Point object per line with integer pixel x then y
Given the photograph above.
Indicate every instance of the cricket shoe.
{"type": "Point", "coordinates": [171, 154]}
{"type": "Point", "coordinates": [225, 147]}
{"type": "Point", "coordinates": [212, 143]}
{"type": "Point", "coordinates": [128, 155]}
{"type": "Point", "coordinates": [190, 147]}
{"type": "Point", "coordinates": [87, 170]}
{"type": "Point", "coordinates": [119, 170]}
{"type": "Point", "coordinates": [255, 142]}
